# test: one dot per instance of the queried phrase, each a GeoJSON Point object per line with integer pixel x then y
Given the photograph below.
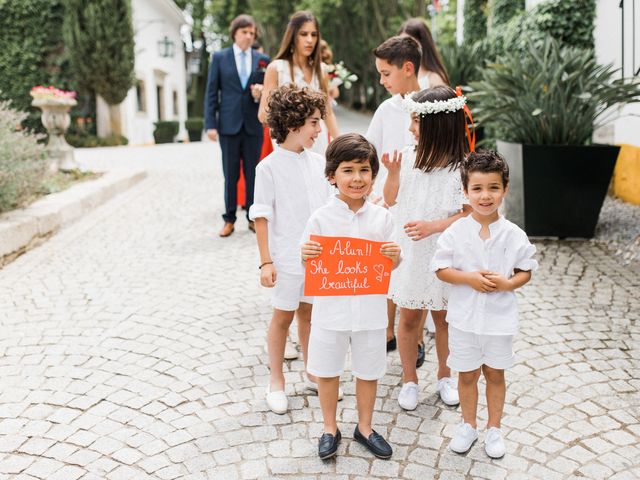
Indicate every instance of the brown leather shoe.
{"type": "Point", "coordinates": [252, 226]}
{"type": "Point", "coordinates": [227, 229]}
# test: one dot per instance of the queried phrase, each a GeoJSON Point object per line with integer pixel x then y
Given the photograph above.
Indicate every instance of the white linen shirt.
{"type": "Point", "coordinates": [289, 187]}
{"type": "Point", "coordinates": [247, 59]}
{"type": "Point", "coordinates": [350, 312]}
{"type": "Point", "coordinates": [461, 247]}
{"type": "Point", "coordinates": [389, 131]}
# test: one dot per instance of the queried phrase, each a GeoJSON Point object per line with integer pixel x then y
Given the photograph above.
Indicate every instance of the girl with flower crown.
{"type": "Point", "coordinates": [425, 191]}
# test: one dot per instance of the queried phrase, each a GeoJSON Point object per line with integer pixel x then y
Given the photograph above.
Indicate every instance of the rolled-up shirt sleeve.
{"type": "Point", "coordinates": [524, 256]}
{"type": "Point", "coordinates": [443, 257]}
{"type": "Point", "coordinates": [264, 195]}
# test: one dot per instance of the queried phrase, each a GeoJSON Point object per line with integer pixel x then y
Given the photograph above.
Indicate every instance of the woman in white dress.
{"type": "Point", "coordinates": [432, 72]}
{"type": "Point", "coordinates": [299, 62]}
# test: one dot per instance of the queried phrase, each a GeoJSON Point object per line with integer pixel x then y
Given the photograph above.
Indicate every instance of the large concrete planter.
{"type": "Point", "coordinates": [557, 190]}
{"type": "Point", "coordinates": [56, 119]}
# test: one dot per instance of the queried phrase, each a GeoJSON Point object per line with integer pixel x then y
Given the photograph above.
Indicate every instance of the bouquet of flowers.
{"type": "Point", "coordinates": [340, 75]}
{"type": "Point", "coordinates": [53, 94]}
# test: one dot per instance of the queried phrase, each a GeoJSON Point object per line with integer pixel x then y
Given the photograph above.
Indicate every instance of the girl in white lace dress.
{"type": "Point", "coordinates": [299, 62]}
{"type": "Point", "coordinates": [425, 191]}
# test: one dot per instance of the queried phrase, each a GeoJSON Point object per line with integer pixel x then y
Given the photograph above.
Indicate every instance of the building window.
{"type": "Point", "coordinates": [141, 96]}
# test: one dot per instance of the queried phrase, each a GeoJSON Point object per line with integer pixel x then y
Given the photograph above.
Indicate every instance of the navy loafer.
{"type": "Point", "coordinates": [420, 359]}
{"type": "Point", "coordinates": [328, 445]}
{"type": "Point", "coordinates": [375, 443]}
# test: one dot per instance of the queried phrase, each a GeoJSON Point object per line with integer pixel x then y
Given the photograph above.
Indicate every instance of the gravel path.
{"type": "Point", "coordinates": [619, 230]}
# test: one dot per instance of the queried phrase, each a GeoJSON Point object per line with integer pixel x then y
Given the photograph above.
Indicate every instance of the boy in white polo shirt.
{"type": "Point", "coordinates": [359, 320]}
{"type": "Point", "coordinates": [290, 185]}
{"type": "Point", "coordinates": [485, 258]}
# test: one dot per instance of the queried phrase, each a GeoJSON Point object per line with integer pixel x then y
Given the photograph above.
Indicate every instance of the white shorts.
{"type": "Point", "coordinates": [469, 351]}
{"type": "Point", "coordinates": [288, 292]}
{"type": "Point", "coordinates": [328, 350]}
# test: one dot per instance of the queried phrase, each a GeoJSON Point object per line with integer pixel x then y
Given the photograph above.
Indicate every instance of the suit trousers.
{"type": "Point", "coordinates": [237, 149]}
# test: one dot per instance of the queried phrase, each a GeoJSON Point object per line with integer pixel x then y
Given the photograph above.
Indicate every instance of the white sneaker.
{"type": "Point", "coordinates": [277, 401]}
{"type": "Point", "coordinates": [313, 386]}
{"type": "Point", "coordinates": [494, 444]}
{"type": "Point", "coordinates": [448, 391]}
{"type": "Point", "coordinates": [464, 438]}
{"type": "Point", "coordinates": [408, 397]}
{"type": "Point", "coordinates": [290, 350]}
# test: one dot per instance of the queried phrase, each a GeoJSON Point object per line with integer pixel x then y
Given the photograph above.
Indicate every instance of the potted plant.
{"type": "Point", "coordinates": [165, 131]}
{"type": "Point", "coordinates": [55, 105]}
{"type": "Point", "coordinates": [194, 126]}
{"type": "Point", "coordinates": [544, 104]}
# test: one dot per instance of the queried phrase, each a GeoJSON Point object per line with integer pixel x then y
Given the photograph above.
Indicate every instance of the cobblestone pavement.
{"type": "Point", "coordinates": [132, 346]}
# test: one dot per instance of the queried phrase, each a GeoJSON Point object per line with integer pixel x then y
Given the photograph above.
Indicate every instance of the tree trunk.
{"type": "Point", "coordinates": [115, 122]}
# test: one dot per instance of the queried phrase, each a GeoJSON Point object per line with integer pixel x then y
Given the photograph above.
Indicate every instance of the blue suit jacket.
{"type": "Point", "coordinates": [228, 107]}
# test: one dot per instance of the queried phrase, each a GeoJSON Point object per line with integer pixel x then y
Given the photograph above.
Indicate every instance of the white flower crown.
{"type": "Point", "coordinates": [437, 106]}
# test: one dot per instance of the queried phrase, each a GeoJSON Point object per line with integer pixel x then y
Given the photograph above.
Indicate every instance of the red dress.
{"type": "Point", "coordinates": [267, 148]}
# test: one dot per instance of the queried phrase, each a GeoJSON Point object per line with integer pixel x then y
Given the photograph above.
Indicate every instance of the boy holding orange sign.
{"type": "Point", "coordinates": [351, 313]}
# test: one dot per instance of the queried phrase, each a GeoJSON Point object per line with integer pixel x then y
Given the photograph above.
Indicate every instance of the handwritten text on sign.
{"type": "Point", "coordinates": [347, 266]}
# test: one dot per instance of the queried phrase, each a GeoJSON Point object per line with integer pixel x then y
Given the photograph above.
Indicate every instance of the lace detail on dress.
{"type": "Point", "coordinates": [422, 196]}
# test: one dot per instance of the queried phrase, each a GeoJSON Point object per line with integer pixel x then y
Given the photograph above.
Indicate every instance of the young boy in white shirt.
{"type": "Point", "coordinates": [359, 320]}
{"type": "Point", "coordinates": [289, 186]}
{"type": "Point", "coordinates": [485, 258]}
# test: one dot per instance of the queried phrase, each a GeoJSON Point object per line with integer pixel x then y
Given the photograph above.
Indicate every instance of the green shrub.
{"type": "Point", "coordinates": [569, 22]}
{"type": "Point", "coordinates": [195, 124]}
{"type": "Point", "coordinates": [501, 11]}
{"type": "Point", "coordinates": [165, 131]}
{"type": "Point", "coordinates": [551, 95]}
{"type": "Point", "coordinates": [23, 164]}
{"type": "Point", "coordinates": [31, 53]}
{"type": "Point", "coordinates": [462, 62]}
{"type": "Point", "coordinates": [87, 140]}
{"type": "Point", "coordinates": [475, 20]}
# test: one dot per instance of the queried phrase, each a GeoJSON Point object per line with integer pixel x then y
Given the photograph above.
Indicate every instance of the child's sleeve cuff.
{"type": "Point", "coordinates": [261, 210]}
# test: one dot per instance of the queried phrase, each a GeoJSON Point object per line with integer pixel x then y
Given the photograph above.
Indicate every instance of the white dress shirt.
{"type": "Point", "coordinates": [461, 247]}
{"type": "Point", "coordinates": [247, 59]}
{"type": "Point", "coordinates": [389, 131]}
{"type": "Point", "coordinates": [289, 187]}
{"type": "Point", "coordinates": [350, 312]}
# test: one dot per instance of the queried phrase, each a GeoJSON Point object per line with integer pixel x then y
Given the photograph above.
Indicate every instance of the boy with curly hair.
{"type": "Point", "coordinates": [290, 186]}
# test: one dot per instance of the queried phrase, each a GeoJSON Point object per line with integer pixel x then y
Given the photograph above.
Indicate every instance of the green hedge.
{"type": "Point", "coordinates": [475, 20]}
{"type": "Point", "coordinates": [501, 11]}
{"type": "Point", "coordinates": [31, 52]}
{"type": "Point", "coordinates": [569, 22]}
{"type": "Point", "coordinates": [165, 131]}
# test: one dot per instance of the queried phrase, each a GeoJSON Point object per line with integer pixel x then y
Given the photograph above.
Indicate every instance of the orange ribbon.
{"type": "Point", "coordinates": [471, 133]}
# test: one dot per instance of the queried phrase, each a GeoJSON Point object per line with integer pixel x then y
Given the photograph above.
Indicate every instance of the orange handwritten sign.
{"type": "Point", "coordinates": [347, 266]}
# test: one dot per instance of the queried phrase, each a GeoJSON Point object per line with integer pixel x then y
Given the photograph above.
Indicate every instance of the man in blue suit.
{"type": "Point", "coordinates": [231, 113]}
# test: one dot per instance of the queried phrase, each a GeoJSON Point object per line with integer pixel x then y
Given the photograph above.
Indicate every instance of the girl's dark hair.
{"type": "Point", "coordinates": [484, 161]}
{"type": "Point", "coordinates": [350, 147]}
{"type": "Point", "coordinates": [288, 45]}
{"type": "Point", "coordinates": [442, 141]}
{"type": "Point", "coordinates": [242, 21]}
{"type": "Point", "coordinates": [290, 106]}
{"type": "Point", "coordinates": [431, 61]}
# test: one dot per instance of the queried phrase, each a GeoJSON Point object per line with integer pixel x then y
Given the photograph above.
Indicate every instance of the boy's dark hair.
{"type": "Point", "coordinates": [289, 107]}
{"type": "Point", "coordinates": [242, 21]}
{"type": "Point", "coordinates": [398, 50]}
{"type": "Point", "coordinates": [442, 142]}
{"type": "Point", "coordinates": [350, 147]}
{"type": "Point", "coordinates": [485, 161]}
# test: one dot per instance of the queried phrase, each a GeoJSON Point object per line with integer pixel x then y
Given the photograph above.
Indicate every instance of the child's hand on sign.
{"type": "Point", "coordinates": [392, 251]}
{"type": "Point", "coordinates": [268, 276]}
{"type": "Point", "coordinates": [310, 250]}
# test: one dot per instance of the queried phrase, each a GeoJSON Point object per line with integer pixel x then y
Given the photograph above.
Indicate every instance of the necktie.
{"type": "Point", "coordinates": [244, 76]}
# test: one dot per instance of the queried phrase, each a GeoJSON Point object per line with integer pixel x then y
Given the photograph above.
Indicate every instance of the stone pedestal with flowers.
{"type": "Point", "coordinates": [55, 105]}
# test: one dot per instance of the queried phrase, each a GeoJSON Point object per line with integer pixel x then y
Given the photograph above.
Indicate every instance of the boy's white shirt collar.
{"type": "Point", "coordinates": [342, 204]}
{"type": "Point", "coordinates": [288, 153]}
{"type": "Point", "coordinates": [494, 227]}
